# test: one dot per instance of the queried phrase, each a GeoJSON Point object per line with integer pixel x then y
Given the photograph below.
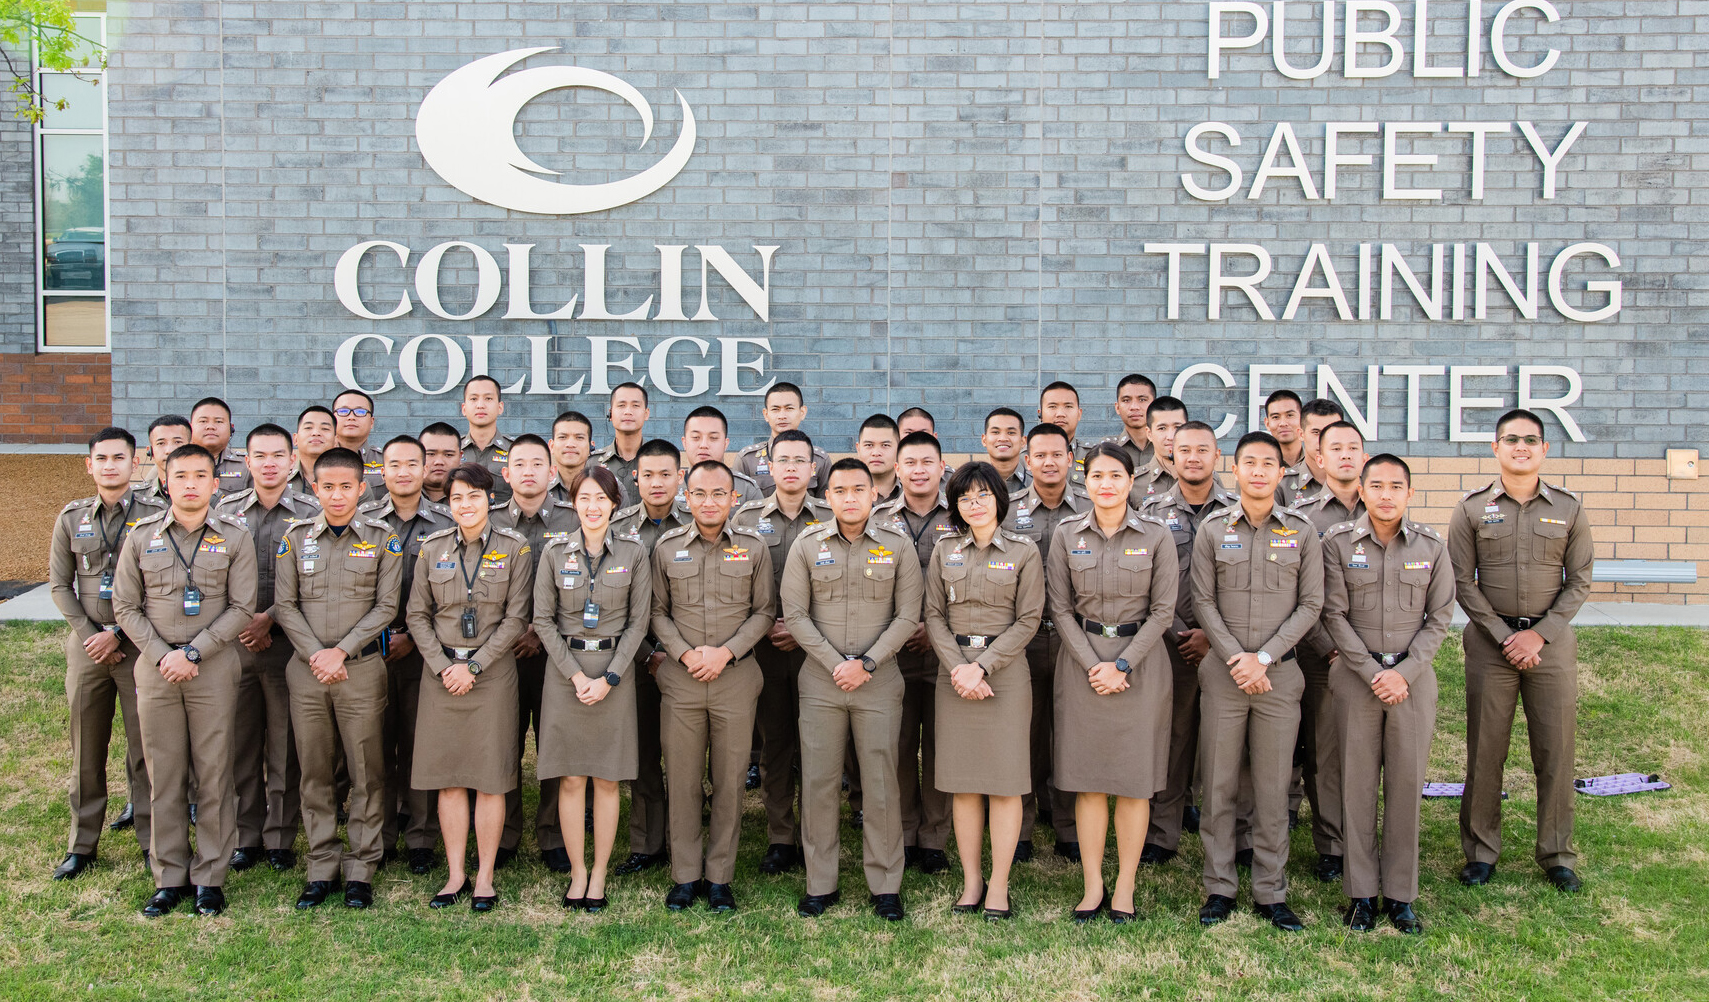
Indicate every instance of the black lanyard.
{"type": "Point", "coordinates": [923, 525]}
{"type": "Point", "coordinates": [106, 541]}
{"type": "Point", "coordinates": [189, 565]}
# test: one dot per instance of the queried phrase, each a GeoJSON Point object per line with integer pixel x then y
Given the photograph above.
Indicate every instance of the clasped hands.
{"type": "Point", "coordinates": [970, 681]}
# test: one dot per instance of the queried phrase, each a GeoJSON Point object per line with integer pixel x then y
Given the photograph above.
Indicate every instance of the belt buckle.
{"type": "Point", "coordinates": [1389, 661]}
{"type": "Point", "coordinates": [1109, 632]}
{"type": "Point", "coordinates": [976, 643]}
{"type": "Point", "coordinates": [1525, 622]}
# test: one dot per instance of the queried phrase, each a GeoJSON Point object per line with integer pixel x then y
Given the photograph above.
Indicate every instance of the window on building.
{"type": "Point", "coordinates": [71, 199]}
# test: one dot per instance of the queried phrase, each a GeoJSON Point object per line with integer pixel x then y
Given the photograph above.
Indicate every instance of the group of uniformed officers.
{"type": "Point", "coordinates": [316, 630]}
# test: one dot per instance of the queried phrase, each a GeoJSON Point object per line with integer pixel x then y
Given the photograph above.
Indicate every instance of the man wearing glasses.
{"type": "Point", "coordinates": [354, 412]}
{"type": "Point", "coordinates": [1522, 555]}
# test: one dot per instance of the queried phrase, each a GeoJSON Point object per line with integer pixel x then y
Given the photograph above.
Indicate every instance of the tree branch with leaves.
{"type": "Point", "coordinates": [49, 29]}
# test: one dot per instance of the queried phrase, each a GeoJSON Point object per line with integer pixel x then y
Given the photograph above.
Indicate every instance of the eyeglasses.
{"type": "Point", "coordinates": [349, 411]}
{"type": "Point", "coordinates": [981, 499]}
{"type": "Point", "coordinates": [776, 461]}
{"type": "Point", "coordinates": [1531, 440]}
{"type": "Point", "coordinates": [699, 496]}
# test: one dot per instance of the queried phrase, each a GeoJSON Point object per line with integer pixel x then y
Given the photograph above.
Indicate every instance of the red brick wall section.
{"type": "Point", "coordinates": [54, 399]}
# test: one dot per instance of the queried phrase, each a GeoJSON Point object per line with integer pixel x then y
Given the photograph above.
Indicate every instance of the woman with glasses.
{"type": "Point", "coordinates": [1112, 581]}
{"type": "Point", "coordinates": [593, 593]}
{"type": "Point", "coordinates": [984, 601]}
{"type": "Point", "coordinates": [467, 607]}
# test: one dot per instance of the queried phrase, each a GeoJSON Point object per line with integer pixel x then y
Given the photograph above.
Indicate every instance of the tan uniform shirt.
{"type": "Point", "coordinates": [996, 591]}
{"type": "Point", "coordinates": [634, 520]}
{"type": "Point", "coordinates": [231, 470]}
{"type": "Point", "coordinates": [1389, 599]}
{"type": "Point", "coordinates": [1029, 516]}
{"type": "Point", "coordinates": [87, 539]}
{"type": "Point", "coordinates": [1511, 559]}
{"type": "Point", "coordinates": [620, 580]}
{"type": "Point", "coordinates": [622, 469]}
{"type": "Point", "coordinates": [495, 457]}
{"type": "Point", "coordinates": [1149, 482]}
{"type": "Point", "coordinates": [429, 518]}
{"type": "Point", "coordinates": [373, 470]}
{"type": "Point", "coordinates": [1325, 511]}
{"type": "Point", "coordinates": [1297, 482]}
{"type": "Point", "coordinates": [779, 530]}
{"type": "Point", "coordinates": [747, 489]}
{"type": "Point", "coordinates": [266, 528]}
{"type": "Point", "coordinates": [553, 520]}
{"type": "Point", "coordinates": [845, 599]}
{"type": "Point", "coordinates": [1129, 577]}
{"type": "Point", "coordinates": [149, 582]}
{"type": "Point", "coordinates": [755, 462]}
{"type": "Point", "coordinates": [338, 590]}
{"type": "Point", "coordinates": [712, 592]}
{"type": "Point", "coordinates": [1183, 524]}
{"type": "Point", "coordinates": [501, 565]}
{"type": "Point", "coordinates": [1140, 454]}
{"type": "Point", "coordinates": [1257, 588]}
{"type": "Point", "coordinates": [926, 530]}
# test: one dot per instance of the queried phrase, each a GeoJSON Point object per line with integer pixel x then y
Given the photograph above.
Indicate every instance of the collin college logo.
{"type": "Point", "coordinates": [466, 130]}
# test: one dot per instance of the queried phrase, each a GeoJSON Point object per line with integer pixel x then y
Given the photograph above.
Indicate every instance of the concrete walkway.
{"type": "Point", "coordinates": [35, 604]}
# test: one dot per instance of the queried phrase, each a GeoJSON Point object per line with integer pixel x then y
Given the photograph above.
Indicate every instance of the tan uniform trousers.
{"type": "Point", "coordinates": [1320, 759]}
{"type": "Point", "coordinates": [1168, 806]}
{"type": "Point", "coordinates": [530, 683]}
{"type": "Point", "coordinates": [348, 716]}
{"type": "Point", "coordinates": [264, 758]}
{"type": "Point", "coordinates": [1493, 690]}
{"type": "Point", "coordinates": [926, 810]}
{"type": "Point", "coordinates": [648, 812]}
{"type": "Point", "coordinates": [780, 740]}
{"type": "Point", "coordinates": [1041, 663]}
{"type": "Point", "coordinates": [403, 698]}
{"type": "Point", "coordinates": [1395, 741]}
{"type": "Point", "coordinates": [1237, 730]}
{"type": "Point", "coordinates": [188, 726]}
{"type": "Point", "coordinates": [872, 715]}
{"type": "Point", "coordinates": [706, 728]}
{"type": "Point", "coordinates": [92, 689]}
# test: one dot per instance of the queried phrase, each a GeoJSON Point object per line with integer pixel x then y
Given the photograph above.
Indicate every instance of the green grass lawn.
{"type": "Point", "coordinates": [1641, 929]}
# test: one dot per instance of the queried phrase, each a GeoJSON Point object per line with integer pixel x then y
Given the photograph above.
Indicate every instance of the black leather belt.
{"type": "Point", "coordinates": [1106, 630]}
{"type": "Point", "coordinates": [370, 650]}
{"type": "Point", "coordinates": [974, 643]}
{"type": "Point", "coordinates": [603, 644]}
{"type": "Point", "coordinates": [459, 653]}
{"type": "Point", "coordinates": [1388, 660]}
{"type": "Point", "coordinates": [1521, 622]}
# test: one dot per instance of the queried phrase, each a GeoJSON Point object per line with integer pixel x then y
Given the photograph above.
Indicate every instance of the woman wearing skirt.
{"type": "Point", "coordinates": [468, 606]}
{"type": "Point", "coordinates": [1112, 579]}
{"type": "Point", "coordinates": [984, 601]}
{"type": "Point", "coordinates": [592, 595]}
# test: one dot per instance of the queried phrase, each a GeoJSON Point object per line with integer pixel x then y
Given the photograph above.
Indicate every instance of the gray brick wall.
{"type": "Point", "coordinates": [961, 194]}
{"type": "Point", "coordinates": [17, 227]}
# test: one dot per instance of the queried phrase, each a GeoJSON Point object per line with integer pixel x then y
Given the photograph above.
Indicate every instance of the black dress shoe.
{"type": "Point", "coordinates": [1328, 867]}
{"type": "Point", "coordinates": [887, 907]}
{"type": "Point", "coordinates": [639, 861]}
{"type": "Point", "coordinates": [932, 861]}
{"type": "Point", "coordinates": [1069, 851]}
{"type": "Point", "coordinates": [1403, 918]}
{"type": "Point", "coordinates": [1085, 915]}
{"type": "Point", "coordinates": [999, 914]}
{"type": "Point", "coordinates": [447, 900]}
{"type": "Point", "coordinates": [857, 820]}
{"type": "Point", "coordinates": [192, 815]}
{"type": "Point", "coordinates": [358, 894]}
{"type": "Point", "coordinates": [814, 905]}
{"type": "Point", "coordinates": [1243, 858]}
{"type": "Point", "coordinates": [753, 782]}
{"type": "Point", "coordinates": [1215, 909]}
{"type": "Point", "coordinates": [421, 861]}
{"type": "Point", "coordinates": [680, 896]}
{"type": "Point", "coordinates": [210, 901]}
{"type": "Point", "coordinates": [314, 893]}
{"type": "Point", "coordinates": [1564, 879]}
{"type": "Point", "coordinates": [246, 857]}
{"type": "Point", "coordinates": [1360, 914]}
{"type": "Point", "coordinates": [165, 899]}
{"type": "Point", "coordinates": [388, 856]}
{"type": "Point", "coordinates": [720, 898]}
{"type": "Point", "coordinates": [1190, 819]}
{"type": "Point", "coordinates": [1122, 918]}
{"type": "Point", "coordinates": [556, 860]}
{"type": "Point", "coordinates": [1280, 916]}
{"type": "Point", "coordinates": [281, 859]}
{"type": "Point", "coordinates": [73, 865]}
{"type": "Point", "coordinates": [504, 858]}
{"type": "Point", "coordinates": [779, 858]}
{"type": "Point", "coordinates": [593, 905]}
{"type": "Point", "coordinates": [482, 904]}
{"type": "Point", "coordinates": [1293, 819]}
{"type": "Point", "coordinates": [977, 906]}
{"type": "Point", "coordinates": [1024, 851]}
{"type": "Point", "coordinates": [1476, 874]}
{"type": "Point", "coordinates": [1156, 855]}
{"type": "Point", "coordinates": [126, 819]}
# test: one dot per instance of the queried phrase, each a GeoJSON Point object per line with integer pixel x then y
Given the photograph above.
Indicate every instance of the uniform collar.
{"type": "Point", "coordinates": [168, 522]}
{"type": "Point", "coordinates": [500, 442]}
{"type": "Point", "coordinates": [1362, 529]}
{"type": "Point", "coordinates": [1543, 491]}
{"type": "Point", "coordinates": [1240, 515]}
{"type": "Point", "coordinates": [965, 540]}
{"type": "Point", "coordinates": [1068, 497]}
{"type": "Point", "coordinates": [808, 505]}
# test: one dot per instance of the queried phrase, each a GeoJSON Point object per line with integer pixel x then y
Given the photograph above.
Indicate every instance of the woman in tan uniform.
{"type": "Point", "coordinates": [1112, 580]}
{"type": "Point", "coordinates": [593, 592]}
{"type": "Point", "coordinates": [467, 607]}
{"type": "Point", "coordinates": [984, 601]}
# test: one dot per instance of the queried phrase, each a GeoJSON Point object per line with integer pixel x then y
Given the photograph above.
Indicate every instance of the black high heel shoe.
{"type": "Point", "coordinates": [447, 900]}
{"type": "Point", "coordinates": [972, 909]}
{"type": "Point", "coordinates": [483, 904]}
{"type": "Point", "coordinates": [594, 905]}
{"type": "Point", "coordinates": [1083, 916]}
{"type": "Point", "coordinates": [573, 904]}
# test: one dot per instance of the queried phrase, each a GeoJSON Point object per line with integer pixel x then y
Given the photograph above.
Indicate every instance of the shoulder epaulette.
{"type": "Point", "coordinates": [436, 508]}
{"type": "Point", "coordinates": [372, 505]}
{"type": "Point", "coordinates": [627, 512]}
{"type": "Point", "coordinates": [750, 450]}
{"type": "Point", "coordinates": [1478, 490]}
{"type": "Point", "coordinates": [230, 520]}
{"type": "Point", "coordinates": [79, 503]}
{"type": "Point", "coordinates": [512, 533]}
{"type": "Point", "coordinates": [674, 531]}
{"type": "Point", "coordinates": [156, 517]}
{"type": "Point", "coordinates": [752, 505]}
{"type": "Point", "coordinates": [238, 497]}
{"type": "Point", "coordinates": [821, 531]}
{"type": "Point", "coordinates": [1338, 528]}
{"type": "Point", "coordinates": [448, 530]}
{"type": "Point", "coordinates": [1153, 519]}
{"type": "Point", "coordinates": [1016, 537]}
{"type": "Point", "coordinates": [747, 531]}
{"type": "Point", "coordinates": [1563, 490]}
{"type": "Point", "coordinates": [1425, 530]}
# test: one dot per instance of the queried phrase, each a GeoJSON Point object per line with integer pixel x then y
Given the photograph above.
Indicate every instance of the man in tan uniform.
{"type": "Point", "coordinates": [183, 589]}
{"type": "Point", "coordinates": [1183, 510]}
{"type": "Point", "coordinates": [875, 445]}
{"type": "Point", "coordinates": [413, 518]}
{"type": "Point", "coordinates": [532, 512]}
{"type": "Point", "coordinates": [851, 596]}
{"type": "Point", "coordinates": [1005, 441]}
{"type": "Point", "coordinates": [1258, 587]}
{"type": "Point", "coordinates": [706, 439]}
{"type": "Point", "coordinates": [444, 449]}
{"type": "Point", "coordinates": [628, 413]}
{"type": "Point", "coordinates": [1059, 404]}
{"type": "Point", "coordinates": [264, 755]}
{"type": "Point", "coordinates": [1035, 513]}
{"type": "Point", "coordinates": [99, 658]}
{"type": "Point", "coordinates": [572, 445]}
{"type": "Point", "coordinates": [780, 519]}
{"type": "Point", "coordinates": [1522, 555]}
{"type": "Point", "coordinates": [657, 478]}
{"type": "Point", "coordinates": [784, 411]}
{"type": "Point", "coordinates": [1134, 394]}
{"type": "Point", "coordinates": [211, 428]}
{"type": "Point", "coordinates": [354, 412]}
{"type": "Point", "coordinates": [1163, 418]}
{"type": "Point", "coordinates": [1388, 597]}
{"type": "Point", "coordinates": [484, 443]}
{"type": "Point", "coordinates": [317, 431]}
{"type": "Point", "coordinates": [165, 434]}
{"type": "Point", "coordinates": [1308, 478]}
{"type": "Point", "coordinates": [714, 600]}
{"type": "Point", "coordinates": [339, 578]}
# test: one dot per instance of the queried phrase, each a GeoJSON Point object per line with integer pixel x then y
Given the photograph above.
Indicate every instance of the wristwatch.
{"type": "Point", "coordinates": [869, 664]}
{"type": "Point", "coordinates": [612, 678]}
{"type": "Point", "coordinates": [1123, 667]}
{"type": "Point", "coordinates": [191, 654]}
{"type": "Point", "coordinates": [474, 667]}
{"type": "Point", "coordinates": [1265, 659]}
